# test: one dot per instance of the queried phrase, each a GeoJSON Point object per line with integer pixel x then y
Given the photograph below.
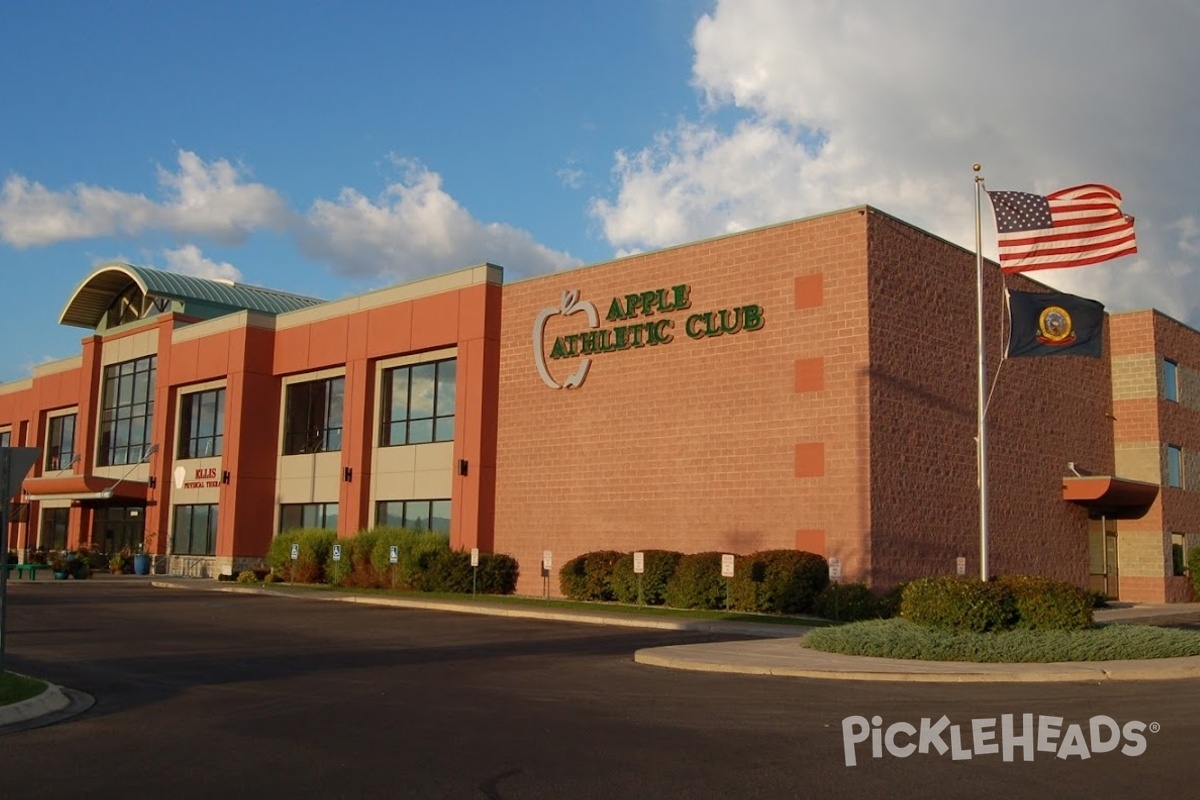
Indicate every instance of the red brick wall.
{"type": "Point", "coordinates": [694, 445]}
{"type": "Point", "coordinates": [1044, 413]}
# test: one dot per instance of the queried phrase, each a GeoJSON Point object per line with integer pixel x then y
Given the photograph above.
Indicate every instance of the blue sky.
{"type": "Point", "coordinates": [331, 148]}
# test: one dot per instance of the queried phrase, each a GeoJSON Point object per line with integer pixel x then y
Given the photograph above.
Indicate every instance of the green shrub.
{"type": "Point", "coordinates": [1193, 568]}
{"type": "Point", "coordinates": [498, 573]}
{"type": "Point", "coordinates": [589, 576]}
{"type": "Point", "coordinates": [697, 582]}
{"type": "Point", "coordinates": [965, 604]}
{"type": "Point", "coordinates": [889, 601]}
{"type": "Point", "coordinates": [315, 546]}
{"type": "Point", "coordinates": [1048, 604]}
{"type": "Point", "coordinates": [1098, 598]}
{"type": "Point", "coordinates": [357, 569]}
{"type": "Point", "coordinates": [412, 547]}
{"type": "Point", "coordinates": [247, 576]}
{"type": "Point", "coordinates": [778, 581]}
{"type": "Point", "coordinates": [848, 602]}
{"type": "Point", "coordinates": [658, 567]}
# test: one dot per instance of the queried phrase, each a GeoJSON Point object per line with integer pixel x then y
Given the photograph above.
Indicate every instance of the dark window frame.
{"type": "Point", "coordinates": [1175, 476]}
{"type": "Point", "coordinates": [197, 438]}
{"type": "Point", "coordinates": [60, 454]}
{"type": "Point", "coordinates": [1170, 380]}
{"type": "Point", "coordinates": [199, 543]}
{"type": "Point", "coordinates": [126, 412]}
{"type": "Point", "coordinates": [411, 512]}
{"type": "Point", "coordinates": [54, 518]}
{"type": "Point", "coordinates": [399, 423]}
{"type": "Point", "coordinates": [310, 410]}
{"type": "Point", "coordinates": [294, 516]}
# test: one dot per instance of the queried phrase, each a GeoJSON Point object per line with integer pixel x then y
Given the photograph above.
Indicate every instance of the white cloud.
{"type": "Point", "coordinates": [415, 228]}
{"type": "Point", "coordinates": [889, 104]}
{"type": "Point", "coordinates": [188, 260]}
{"type": "Point", "coordinates": [199, 199]}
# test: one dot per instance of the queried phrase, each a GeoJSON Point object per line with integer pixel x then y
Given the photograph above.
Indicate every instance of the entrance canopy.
{"type": "Point", "coordinates": [1109, 496]}
{"type": "Point", "coordinates": [85, 487]}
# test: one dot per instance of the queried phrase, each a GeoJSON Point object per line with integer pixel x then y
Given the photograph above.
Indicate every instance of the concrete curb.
{"type": "Point", "coordinates": [48, 702]}
{"type": "Point", "coordinates": [780, 659]}
{"type": "Point", "coordinates": [766, 630]}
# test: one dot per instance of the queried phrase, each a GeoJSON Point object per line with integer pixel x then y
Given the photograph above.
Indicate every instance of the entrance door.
{"type": "Point", "coordinates": [118, 527]}
{"type": "Point", "coordinates": [1102, 555]}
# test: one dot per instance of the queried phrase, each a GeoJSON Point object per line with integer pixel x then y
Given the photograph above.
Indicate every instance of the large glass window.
{"type": "Point", "coordinates": [201, 423]}
{"type": "Point", "coordinates": [313, 417]}
{"type": "Point", "coordinates": [1178, 554]}
{"type": "Point", "coordinates": [1170, 381]}
{"type": "Point", "coordinates": [415, 515]}
{"type": "Point", "coordinates": [6, 438]}
{"type": "Point", "coordinates": [308, 515]}
{"type": "Point", "coordinates": [126, 411]}
{"type": "Point", "coordinates": [53, 535]}
{"type": "Point", "coordinates": [1174, 466]}
{"type": "Point", "coordinates": [60, 442]}
{"type": "Point", "coordinates": [118, 527]}
{"type": "Point", "coordinates": [195, 530]}
{"type": "Point", "coordinates": [418, 404]}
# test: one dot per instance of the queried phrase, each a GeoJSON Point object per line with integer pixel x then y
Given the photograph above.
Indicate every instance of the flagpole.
{"type": "Point", "coordinates": [981, 433]}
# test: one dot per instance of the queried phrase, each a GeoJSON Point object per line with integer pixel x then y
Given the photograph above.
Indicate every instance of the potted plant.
{"type": "Point", "coordinates": [116, 563]}
{"type": "Point", "coordinates": [58, 565]}
{"type": "Point", "coordinates": [141, 561]}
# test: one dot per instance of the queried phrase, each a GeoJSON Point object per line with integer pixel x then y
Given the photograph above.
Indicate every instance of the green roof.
{"type": "Point", "coordinates": [199, 297]}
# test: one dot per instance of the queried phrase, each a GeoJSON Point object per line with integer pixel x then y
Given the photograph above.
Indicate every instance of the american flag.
{"type": "Point", "coordinates": [1069, 228]}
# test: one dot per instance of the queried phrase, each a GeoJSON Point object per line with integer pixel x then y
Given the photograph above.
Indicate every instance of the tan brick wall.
{"type": "Point", "coordinates": [692, 445]}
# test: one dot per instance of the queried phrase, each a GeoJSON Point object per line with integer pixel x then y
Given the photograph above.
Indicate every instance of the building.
{"type": "Point", "coordinates": [806, 385]}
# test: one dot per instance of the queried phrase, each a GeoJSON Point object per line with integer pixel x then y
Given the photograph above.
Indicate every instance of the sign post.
{"type": "Point", "coordinates": [15, 463]}
{"type": "Point", "coordinates": [835, 575]}
{"type": "Point", "coordinates": [960, 564]}
{"type": "Point", "coordinates": [727, 574]}
{"type": "Point", "coordinates": [295, 556]}
{"type": "Point", "coordinates": [639, 566]}
{"type": "Point", "coordinates": [546, 562]}
{"type": "Point", "coordinates": [393, 560]}
{"type": "Point", "coordinates": [474, 568]}
{"type": "Point", "coordinates": [337, 565]}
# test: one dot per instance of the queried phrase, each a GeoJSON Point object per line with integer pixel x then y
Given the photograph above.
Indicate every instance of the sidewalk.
{"type": "Point", "coordinates": [773, 650]}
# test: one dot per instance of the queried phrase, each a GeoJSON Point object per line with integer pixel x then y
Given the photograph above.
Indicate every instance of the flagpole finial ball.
{"type": "Point", "coordinates": [977, 167]}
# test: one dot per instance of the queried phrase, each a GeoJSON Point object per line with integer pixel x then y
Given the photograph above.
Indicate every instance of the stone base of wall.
{"type": "Point", "coordinates": [1156, 590]}
{"type": "Point", "coordinates": [212, 566]}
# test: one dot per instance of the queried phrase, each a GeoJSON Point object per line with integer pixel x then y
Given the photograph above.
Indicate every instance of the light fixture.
{"type": "Point", "coordinates": [462, 466]}
{"type": "Point", "coordinates": [347, 474]}
{"type": "Point", "coordinates": [225, 476]}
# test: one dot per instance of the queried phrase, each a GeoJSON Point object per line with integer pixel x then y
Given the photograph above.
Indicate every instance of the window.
{"type": "Point", "coordinates": [117, 527]}
{"type": "Point", "coordinates": [418, 404]}
{"type": "Point", "coordinates": [126, 412]}
{"type": "Point", "coordinates": [1174, 466]}
{"type": "Point", "coordinates": [308, 515]}
{"type": "Point", "coordinates": [1178, 554]}
{"type": "Point", "coordinates": [313, 417]}
{"type": "Point", "coordinates": [6, 438]}
{"type": "Point", "coordinates": [60, 442]}
{"type": "Point", "coordinates": [201, 423]}
{"type": "Point", "coordinates": [195, 530]}
{"type": "Point", "coordinates": [53, 534]}
{"type": "Point", "coordinates": [1170, 381]}
{"type": "Point", "coordinates": [415, 515]}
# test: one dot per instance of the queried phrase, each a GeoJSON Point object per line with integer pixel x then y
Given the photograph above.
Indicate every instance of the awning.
{"type": "Point", "coordinates": [1109, 496]}
{"type": "Point", "coordinates": [84, 487]}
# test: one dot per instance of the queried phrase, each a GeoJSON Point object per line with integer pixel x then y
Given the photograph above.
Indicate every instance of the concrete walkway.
{"type": "Point", "coordinates": [773, 650]}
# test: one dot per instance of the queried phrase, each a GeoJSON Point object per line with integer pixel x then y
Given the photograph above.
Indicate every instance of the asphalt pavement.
{"type": "Point", "coordinates": [761, 649]}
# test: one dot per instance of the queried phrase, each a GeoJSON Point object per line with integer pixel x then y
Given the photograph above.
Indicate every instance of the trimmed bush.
{"type": "Point", "coordinates": [965, 604]}
{"type": "Point", "coordinates": [357, 569]}
{"type": "Point", "coordinates": [778, 581]}
{"type": "Point", "coordinates": [1048, 604]}
{"type": "Point", "coordinates": [315, 546]}
{"type": "Point", "coordinates": [588, 576]}
{"type": "Point", "coordinates": [697, 582]}
{"type": "Point", "coordinates": [413, 546]}
{"type": "Point", "coordinates": [659, 566]}
{"type": "Point", "coordinates": [848, 602]}
{"type": "Point", "coordinates": [247, 576]}
{"type": "Point", "coordinates": [1193, 568]}
{"type": "Point", "coordinates": [451, 571]}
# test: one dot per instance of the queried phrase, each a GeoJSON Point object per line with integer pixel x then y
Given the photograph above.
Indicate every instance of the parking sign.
{"type": "Point", "coordinates": [337, 552]}
{"type": "Point", "coordinates": [727, 566]}
{"type": "Point", "coordinates": [394, 554]}
{"type": "Point", "coordinates": [295, 551]}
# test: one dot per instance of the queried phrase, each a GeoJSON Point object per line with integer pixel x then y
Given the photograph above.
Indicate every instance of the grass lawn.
{"type": "Point", "coordinates": [562, 605]}
{"type": "Point", "coordinates": [899, 638]}
{"type": "Point", "coordinates": [15, 688]}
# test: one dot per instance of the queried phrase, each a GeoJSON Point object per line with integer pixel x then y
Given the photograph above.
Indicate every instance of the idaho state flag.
{"type": "Point", "coordinates": [1053, 324]}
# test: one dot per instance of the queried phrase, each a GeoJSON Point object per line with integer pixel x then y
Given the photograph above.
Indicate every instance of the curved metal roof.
{"type": "Point", "coordinates": [98, 291]}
